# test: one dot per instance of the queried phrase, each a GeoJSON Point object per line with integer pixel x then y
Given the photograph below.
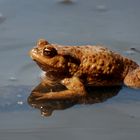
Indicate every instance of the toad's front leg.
{"type": "Point", "coordinates": [75, 90]}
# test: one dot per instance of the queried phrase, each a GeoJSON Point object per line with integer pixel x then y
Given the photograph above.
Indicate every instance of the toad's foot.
{"type": "Point", "coordinates": [132, 79]}
{"type": "Point", "coordinates": [62, 95]}
{"type": "Point", "coordinates": [75, 90]}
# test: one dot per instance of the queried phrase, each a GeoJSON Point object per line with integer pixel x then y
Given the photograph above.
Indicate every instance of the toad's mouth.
{"type": "Point", "coordinates": [45, 67]}
{"type": "Point", "coordinates": [40, 65]}
{"type": "Point", "coordinates": [39, 58]}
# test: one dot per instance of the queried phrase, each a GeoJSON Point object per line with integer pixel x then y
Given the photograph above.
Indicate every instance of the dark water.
{"type": "Point", "coordinates": [113, 23]}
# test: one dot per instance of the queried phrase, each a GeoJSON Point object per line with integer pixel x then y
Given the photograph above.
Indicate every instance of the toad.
{"type": "Point", "coordinates": [77, 67]}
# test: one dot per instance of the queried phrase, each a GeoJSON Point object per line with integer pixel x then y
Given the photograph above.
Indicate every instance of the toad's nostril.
{"type": "Point", "coordinates": [34, 50]}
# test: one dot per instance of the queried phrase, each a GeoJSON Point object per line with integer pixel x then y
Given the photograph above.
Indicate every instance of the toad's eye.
{"type": "Point", "coordinates": [49, 51]}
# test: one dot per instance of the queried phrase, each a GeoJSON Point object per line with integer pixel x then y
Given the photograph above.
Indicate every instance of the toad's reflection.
{"type": "Point", "coordinates": [95, 95]}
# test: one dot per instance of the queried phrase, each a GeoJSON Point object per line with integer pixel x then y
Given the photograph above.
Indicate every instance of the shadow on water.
{"type": "Point", "coordinates": [95, 95]}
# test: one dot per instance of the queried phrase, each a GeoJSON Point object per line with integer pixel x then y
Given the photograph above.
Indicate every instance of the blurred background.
{"type": "Point", "coordinates": [113, 23]}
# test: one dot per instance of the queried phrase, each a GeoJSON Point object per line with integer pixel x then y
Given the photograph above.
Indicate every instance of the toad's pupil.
{"type": "Point", "coordinates": [46, 51]}
{"type": "Point", "coordinates": [49, 51]}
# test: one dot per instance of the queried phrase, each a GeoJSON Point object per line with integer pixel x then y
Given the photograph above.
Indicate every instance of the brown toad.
{"type": "Point", "coordinates": [76, 67]}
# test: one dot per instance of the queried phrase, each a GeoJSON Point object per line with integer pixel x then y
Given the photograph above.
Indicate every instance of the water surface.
{"type": "Point", "coordinates": [113, 23]}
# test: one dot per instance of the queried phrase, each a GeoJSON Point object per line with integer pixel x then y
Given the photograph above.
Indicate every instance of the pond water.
{"type": "Point", "coordinates": [113, 23]}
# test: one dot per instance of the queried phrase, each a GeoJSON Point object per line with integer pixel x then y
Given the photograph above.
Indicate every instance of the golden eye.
{"type": "Point", "coordinates": [49, 51]}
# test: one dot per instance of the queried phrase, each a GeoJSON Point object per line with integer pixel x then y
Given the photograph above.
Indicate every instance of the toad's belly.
{"type": "Point", "coordinates": [100, 79]}
{"type": "Point", "coordinates": [104, 82]}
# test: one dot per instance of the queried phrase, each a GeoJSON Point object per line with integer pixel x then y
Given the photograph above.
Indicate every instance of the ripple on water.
{"type": "Point", "coordinates": [66, 2]}
{"type": "Point", "coordinates": [2, 18]}
{"type": "Point", "coordinates": [13, 98]}
{"type": "Point", "coordinates": [12, 78]}
{"type": "Point", "coordinates": [131, 51]}
{"type": "Point", "coordinates": [101, 8]}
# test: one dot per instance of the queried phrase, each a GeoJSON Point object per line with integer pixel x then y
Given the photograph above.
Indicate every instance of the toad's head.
{"type": "Point", "coordinates": [47, 57]}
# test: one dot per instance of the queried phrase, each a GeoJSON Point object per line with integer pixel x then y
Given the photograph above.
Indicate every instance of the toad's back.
{"type": "Point", "coordinates": [98, 65]}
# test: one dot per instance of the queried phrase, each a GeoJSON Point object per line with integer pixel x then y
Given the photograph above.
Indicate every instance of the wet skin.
{"type": "Point", "coordinates": [76, 67]}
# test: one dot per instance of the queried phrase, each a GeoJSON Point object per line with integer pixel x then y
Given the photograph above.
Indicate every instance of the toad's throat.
{"type": "Point", "coordinates": [46, 67]}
